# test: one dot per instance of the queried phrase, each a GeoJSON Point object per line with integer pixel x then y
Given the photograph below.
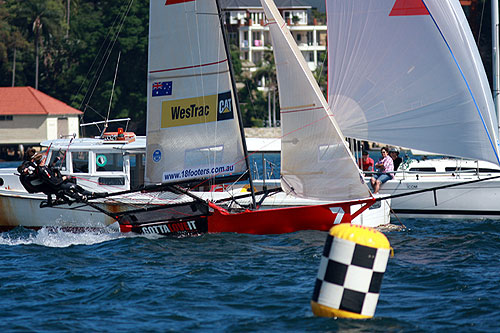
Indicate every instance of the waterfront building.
{"type": "Point", "coordinates": [247, 28]}
{"type": "Point", "coordinates": [28, 116]}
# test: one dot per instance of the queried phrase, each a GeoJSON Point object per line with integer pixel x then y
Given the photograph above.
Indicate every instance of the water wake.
{"type": "Point", "coordinates": [60, 238]}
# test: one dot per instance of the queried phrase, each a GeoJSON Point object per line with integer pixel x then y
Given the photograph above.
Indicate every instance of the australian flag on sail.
{"type": "Point", "coordinates": [162, 88]}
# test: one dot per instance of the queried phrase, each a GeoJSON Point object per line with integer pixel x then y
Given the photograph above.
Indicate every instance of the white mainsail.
{"type": "Point", "coordinates": [192, 123]}
{"type": "Point", "coordinates": [408, 73]}
{"type": "Point", "coordinates": [315, 160]}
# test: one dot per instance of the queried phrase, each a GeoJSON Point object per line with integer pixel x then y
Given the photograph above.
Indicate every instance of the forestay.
{"type": "Point", "coordinates": [192, 123]}
{"type": "Point", "coordinates": [408, 73]}
{"type": "Point", "coordinates": [315, 161]}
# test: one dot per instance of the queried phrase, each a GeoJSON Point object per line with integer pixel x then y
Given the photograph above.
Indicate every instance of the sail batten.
{"type": "Point", "coordinates": [410, 76]}
{"type": "Point", "coordinates": [187, 67]}
{"type": "Point", "coordinates": [315, 160]}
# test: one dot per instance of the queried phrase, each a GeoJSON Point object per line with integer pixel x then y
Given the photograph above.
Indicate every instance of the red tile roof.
{"type": "Point", "coordinates": [29, 101]}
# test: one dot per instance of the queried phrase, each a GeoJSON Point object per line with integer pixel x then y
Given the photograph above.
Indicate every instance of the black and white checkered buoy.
{"type": "Point", "coordinates": [350, 274]}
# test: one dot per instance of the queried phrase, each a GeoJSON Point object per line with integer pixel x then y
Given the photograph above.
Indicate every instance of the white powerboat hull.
{"type": "Point", "coordinates": [23, 210]}
{"type": "Point", "coordinates": [471, 201]}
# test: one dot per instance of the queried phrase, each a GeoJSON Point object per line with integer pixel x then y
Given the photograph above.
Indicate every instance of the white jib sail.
{"type": "Point", "coordinates": [192, 124]}
{"type": "Point", "coordinates": [408, 73]}
{"type": "Point", "coordinates": [315, 160]}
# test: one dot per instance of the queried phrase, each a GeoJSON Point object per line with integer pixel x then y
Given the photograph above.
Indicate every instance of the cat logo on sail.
{"type": "Point", "coordinates": [225, 106]}
{"type": "Point", "coordinates": [196, 110]}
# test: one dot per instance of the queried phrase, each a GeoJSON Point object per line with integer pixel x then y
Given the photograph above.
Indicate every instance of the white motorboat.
{"type": "Point", "coordinates": [408, 73]}
{"type": "Point", "coordinates": [450, 187]}
{"type": "Point", "coordinates": [460, 190]}
{"type": "Point", "coordinates": [98, 164]}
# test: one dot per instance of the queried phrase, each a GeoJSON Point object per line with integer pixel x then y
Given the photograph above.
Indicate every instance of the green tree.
{"type": "Point", "coordinates": [319, 16]}
{"type": "Point", "coordinates": [42, 21]}
{"type": "Point", "coordinates": [267, 70]}
{"type": "Point", "coordinates": [236, 61]}
{"type": "Point", "coordinates": [11, 41]}
{"type": "Point", "coordinates": [321, 72]}
{"type": "Point", "coordinates": [102, 30]}
{"type": "Point", "coordinates": [253, 104]}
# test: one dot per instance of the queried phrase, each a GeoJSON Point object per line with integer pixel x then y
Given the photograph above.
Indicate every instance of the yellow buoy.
{"type": "Point", "coordinates": [350, 274]}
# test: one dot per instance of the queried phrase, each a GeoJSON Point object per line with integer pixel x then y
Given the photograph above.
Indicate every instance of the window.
{"type": "Point", "coordinates": [424, 169]}
{"type": "Point", "coordinates": [4, 117]}
{"type": "Point", "coordinates": [256, 35]}
{"type": "Point", "coordinates": [80, 161]}
{"type": "Point", "coordinates": [233, 37]}
{"type": "Point", "coordinates": [58, 160]}
{"type": "Point", "coordinates": [137, 168]}
{"type": "Point", "coordinates": [482, 170]}
{"type": "Point", "coordinates": [310, 38]}
{"type": "Point", "coordinates": [109, 162]}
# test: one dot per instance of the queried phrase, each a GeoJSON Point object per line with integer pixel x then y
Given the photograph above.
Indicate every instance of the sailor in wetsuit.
{"type": "Point", "coordinates": [28, 173]}
{"type": "Point", "coordinates": [55, 183]}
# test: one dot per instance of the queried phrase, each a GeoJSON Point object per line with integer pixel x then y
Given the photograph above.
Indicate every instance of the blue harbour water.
{"type": "Point", "coordinates": [444, 276]}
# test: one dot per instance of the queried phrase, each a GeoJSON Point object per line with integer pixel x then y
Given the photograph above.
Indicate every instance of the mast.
{"type": "Point", "coordinates": [111, 97]}
{"type": "Point", "coordinates": [495, 56]}
{"type": "Point", "coordinates": [233, 84]}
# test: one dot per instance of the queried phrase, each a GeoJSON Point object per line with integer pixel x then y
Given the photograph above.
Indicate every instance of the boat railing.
{"type": "Point", "coordinates": [453, 173]}
{"type": "Point", "coordinates": [266, 172]}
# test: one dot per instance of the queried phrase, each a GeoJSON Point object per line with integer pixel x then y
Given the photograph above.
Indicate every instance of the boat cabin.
{"type": "Point", "coordinates": [107, 164]}
{"type": "Point", "coordinates": [443, 166]}
{"type": "Point", "coordinates": [117, 164]}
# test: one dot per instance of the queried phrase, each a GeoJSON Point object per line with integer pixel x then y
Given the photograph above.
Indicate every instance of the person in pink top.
{"type": "Point", "coordinates": [384, 166]}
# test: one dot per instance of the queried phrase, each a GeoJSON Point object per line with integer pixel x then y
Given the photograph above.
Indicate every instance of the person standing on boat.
{"type": "Point", "coordinates": [384, 167]}
{"type": "Point", "coordinates": [394, 153]}
{"type": "Point", "coordinates": [366, 163]}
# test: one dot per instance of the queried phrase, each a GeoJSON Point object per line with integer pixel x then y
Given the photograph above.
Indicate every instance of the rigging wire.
{"type": "Point", "coordinates": [111, 97]}
{"type": "Point", "coordinates": [109, 49]}
{"type": "Point", "coordinates": [93, 62]}
{"type": "Point", "coordinates": [481, 24]}
{"type": "Point", "coordinates": [104, 60]}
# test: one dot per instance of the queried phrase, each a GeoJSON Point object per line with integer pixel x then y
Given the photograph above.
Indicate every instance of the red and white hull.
{"type": "Point", "coordinates": [264, 221]}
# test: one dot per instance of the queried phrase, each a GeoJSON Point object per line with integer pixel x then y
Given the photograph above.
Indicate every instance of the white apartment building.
{"type": "Point", "coordinates": [247, 28]}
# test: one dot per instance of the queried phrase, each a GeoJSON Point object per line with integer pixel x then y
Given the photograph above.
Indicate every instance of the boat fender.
{"type": "Point", "coordinates": [246, 188]}
{"type": "Point", "coordinates": [350, 274]}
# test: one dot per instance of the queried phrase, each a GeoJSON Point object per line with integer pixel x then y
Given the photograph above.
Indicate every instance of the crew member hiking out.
{"type": "Point", "coordinates": [62, 186]}
{"type": "Point", "coordinates": [28, 175]}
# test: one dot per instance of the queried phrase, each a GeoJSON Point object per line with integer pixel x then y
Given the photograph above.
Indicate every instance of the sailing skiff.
{"type": "Point", "coordinates": [194, 139]}
{"type": "Point", "coordinates": [194, 120]}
